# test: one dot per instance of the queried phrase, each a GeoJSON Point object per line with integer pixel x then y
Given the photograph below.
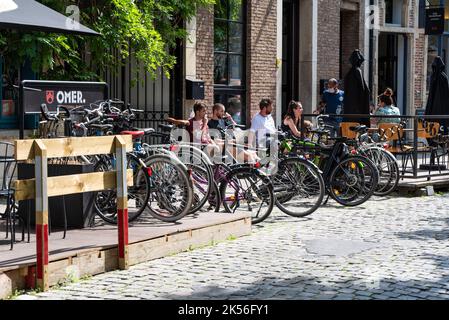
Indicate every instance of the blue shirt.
{"type": "Point", "coordinates": [334, 102]}
{"type": "Point", "coordinates": [387, 111]}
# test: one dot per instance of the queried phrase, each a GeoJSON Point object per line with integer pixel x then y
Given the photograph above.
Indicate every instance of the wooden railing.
{"type": "Point", "coordinates": [43, 187]}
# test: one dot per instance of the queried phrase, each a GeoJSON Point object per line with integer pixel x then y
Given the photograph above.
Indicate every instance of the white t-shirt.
{"type": "Point", "coordinates": [263, 125]}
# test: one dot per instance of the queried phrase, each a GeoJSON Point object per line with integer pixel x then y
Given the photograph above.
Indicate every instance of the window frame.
{"type": "Point", "coordinates": [394, 13]}
{"type": "Point", "coordinates": [229, 89]}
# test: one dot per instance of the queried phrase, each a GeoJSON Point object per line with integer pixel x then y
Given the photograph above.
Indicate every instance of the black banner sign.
{"type": "Point", "coordinates": [434, 21]}
{"type": "Point", "coordinates": [55, 93]}
{"type": "Point", "coordinates": [34, 93]}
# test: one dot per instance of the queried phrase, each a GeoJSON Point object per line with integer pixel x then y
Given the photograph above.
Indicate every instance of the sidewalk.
{"type": "Point", "coordinates": [389, 248]}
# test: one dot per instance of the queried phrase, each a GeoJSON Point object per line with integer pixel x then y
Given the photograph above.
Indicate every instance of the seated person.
{"type": "Point", "coordinates": [387, 108]}
{"type": "Point", "coordinates": [199, 133]}
{"type": "Point", "coordinates": [220, 118]}
{"type": "Point", "coordinates": [197, 127]}
{"type": "Point", "coordinates": [262, 124]}
{"type": "Point", "coordinates": [292, 120]}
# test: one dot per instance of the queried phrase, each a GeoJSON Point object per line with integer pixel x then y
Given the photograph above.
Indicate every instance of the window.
{"type": "Point", "coordinates": [229, 56]}
{"type": "Point", "coordinates": [393, 12]}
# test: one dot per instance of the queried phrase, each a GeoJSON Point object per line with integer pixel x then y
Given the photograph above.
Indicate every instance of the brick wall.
{"type": "Point", "coordinates": [412, 12]}
{"type": "Point", "coordinates": [261, 52]}
{"type": "Point", "coordinates": [350, 38]}
{"type": "Point", "coordinates": [420, 71]}
{"type": "Point", "coordinates": [329, 18]}
{"type": "Point", "coordinates": [381, 5]}
{"type": "Point", "coordinates": [205, 50]}
{"type": "Point", "coordinates": [328, 40]}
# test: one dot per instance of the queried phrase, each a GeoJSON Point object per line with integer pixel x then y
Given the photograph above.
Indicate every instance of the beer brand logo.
{"type": "Point", "coordinates": [50, 97]}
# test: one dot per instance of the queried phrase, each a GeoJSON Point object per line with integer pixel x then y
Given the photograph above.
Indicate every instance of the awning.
{"type": "Point", "coordinates": [33, 16]}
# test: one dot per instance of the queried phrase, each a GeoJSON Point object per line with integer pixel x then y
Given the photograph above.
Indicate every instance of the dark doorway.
{"type": "Point", "coordinates": [393, 67]}
{"type": "Point", "coordinates": [290, 52]}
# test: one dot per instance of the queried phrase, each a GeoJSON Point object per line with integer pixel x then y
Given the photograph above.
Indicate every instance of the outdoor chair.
{"type": "Point", "coordinates": [393, 133]}
{"type": "Point", "coordinates": [396, 134]}
{"type": "Point", "coordinates": [346, 131]}
{"type": "Point", "coordinates": [8, 166]}
{"type": "Point", "coordinates": [8, 169]}
{"type": "Point", "coordinates": [430, 132]}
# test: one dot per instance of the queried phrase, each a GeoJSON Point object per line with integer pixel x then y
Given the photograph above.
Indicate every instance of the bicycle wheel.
{"type": "Point", "coordinates": [247, 190]}
{"type": "Point", "coordinates": [105, 203]}
{"type": "Point", "coordinates": [219, 172]}
{"type": "Point", "coordinates": [299, 187]}
{"type": "Point", "coordinates": [388, 168]}
{"type": "Point", "coordinates": [171, 189]}
{"type": "Point", "coordinates": [353, 181]}
{"type": "Point", "coordinates": [201, 172]}
{"type": "Point", "coordinates": [202, 186]}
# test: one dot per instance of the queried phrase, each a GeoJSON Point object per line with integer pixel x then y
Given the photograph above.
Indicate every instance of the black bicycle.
{"type": "Point", "coordinates": [350, 179]}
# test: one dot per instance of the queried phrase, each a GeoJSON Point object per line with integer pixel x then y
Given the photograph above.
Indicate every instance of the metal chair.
{"type": "Point", "coordinates": [8, 166]}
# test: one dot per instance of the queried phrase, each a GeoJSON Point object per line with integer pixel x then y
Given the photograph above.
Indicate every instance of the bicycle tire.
{"type": "Point", "coordinates": [169, 175]}
{"type": "Point", "coordinates": [202, 186]}
{"type": "Point", "coordinates": [342, 176]}
{"type": "Point", "coordinates": [265, 193]}
{"type": "Point", "coordinates": [289, 185]}
{"type": "Point", "coordinates": [388, 168]}
{"type": "Point", "coordinates": [105, 203]}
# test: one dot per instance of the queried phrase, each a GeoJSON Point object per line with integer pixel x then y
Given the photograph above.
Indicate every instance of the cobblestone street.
{"type": "Point", "coordinates": [389, 248]}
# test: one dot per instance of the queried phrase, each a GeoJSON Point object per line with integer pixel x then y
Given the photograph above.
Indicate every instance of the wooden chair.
{"type": "Point", "coordinates": [429, 131]}
{"type": "Point", "coordinates": [346, 131]}
{"type": "Point", "coordinates": [394, 134]}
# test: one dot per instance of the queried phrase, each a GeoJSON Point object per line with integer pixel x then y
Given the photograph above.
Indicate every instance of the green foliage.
{"type": "Point", "coordinates": [231, 238]}
{"type": "Point", "coordinates": [15, 294]}
{"type": "Point", "coordinates": [149, 29]}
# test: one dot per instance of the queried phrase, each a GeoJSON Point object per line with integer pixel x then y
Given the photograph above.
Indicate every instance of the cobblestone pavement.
{"type": "Point", "coordinates": [389, 248]}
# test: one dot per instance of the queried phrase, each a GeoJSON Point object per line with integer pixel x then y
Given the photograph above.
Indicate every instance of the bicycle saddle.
{"type": "Point", "coordinates": [360, 128]}
{"type": "Point", "coordinates": [46, 113]}
{"type": "Point", "coordinates": [166, 127]}
{"type": "Point", "coordinates": [135, 134]}
{"type": "Point", "coordinates": [148, 131]}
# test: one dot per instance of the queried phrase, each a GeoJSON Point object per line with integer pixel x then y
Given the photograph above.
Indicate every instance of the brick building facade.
{"type": "Point", "coordinates": [262, 52]}
{"type": "Point", "coordinates": [327, 33]}
{"type": "Point", "coordinates": [400, 41]}
{"type": "Point", "coordinates": [340, 32]}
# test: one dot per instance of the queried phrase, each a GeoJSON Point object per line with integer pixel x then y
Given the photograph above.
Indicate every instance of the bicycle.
{"type": "Point", "coordinates": [349, 179]}
{"type": "Point", "coordinates": [384, 160]}
{"type": "Point", "coordinates": [161, 183]}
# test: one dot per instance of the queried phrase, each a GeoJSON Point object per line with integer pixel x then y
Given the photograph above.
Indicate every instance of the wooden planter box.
{"type": "Point", "coordinates": [79, 207]}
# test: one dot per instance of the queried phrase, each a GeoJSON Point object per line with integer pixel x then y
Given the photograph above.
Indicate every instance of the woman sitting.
{"type": "Point", "coordinates": [292, 120]}
{"type": "Point", "coordinates": [387, 108]}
